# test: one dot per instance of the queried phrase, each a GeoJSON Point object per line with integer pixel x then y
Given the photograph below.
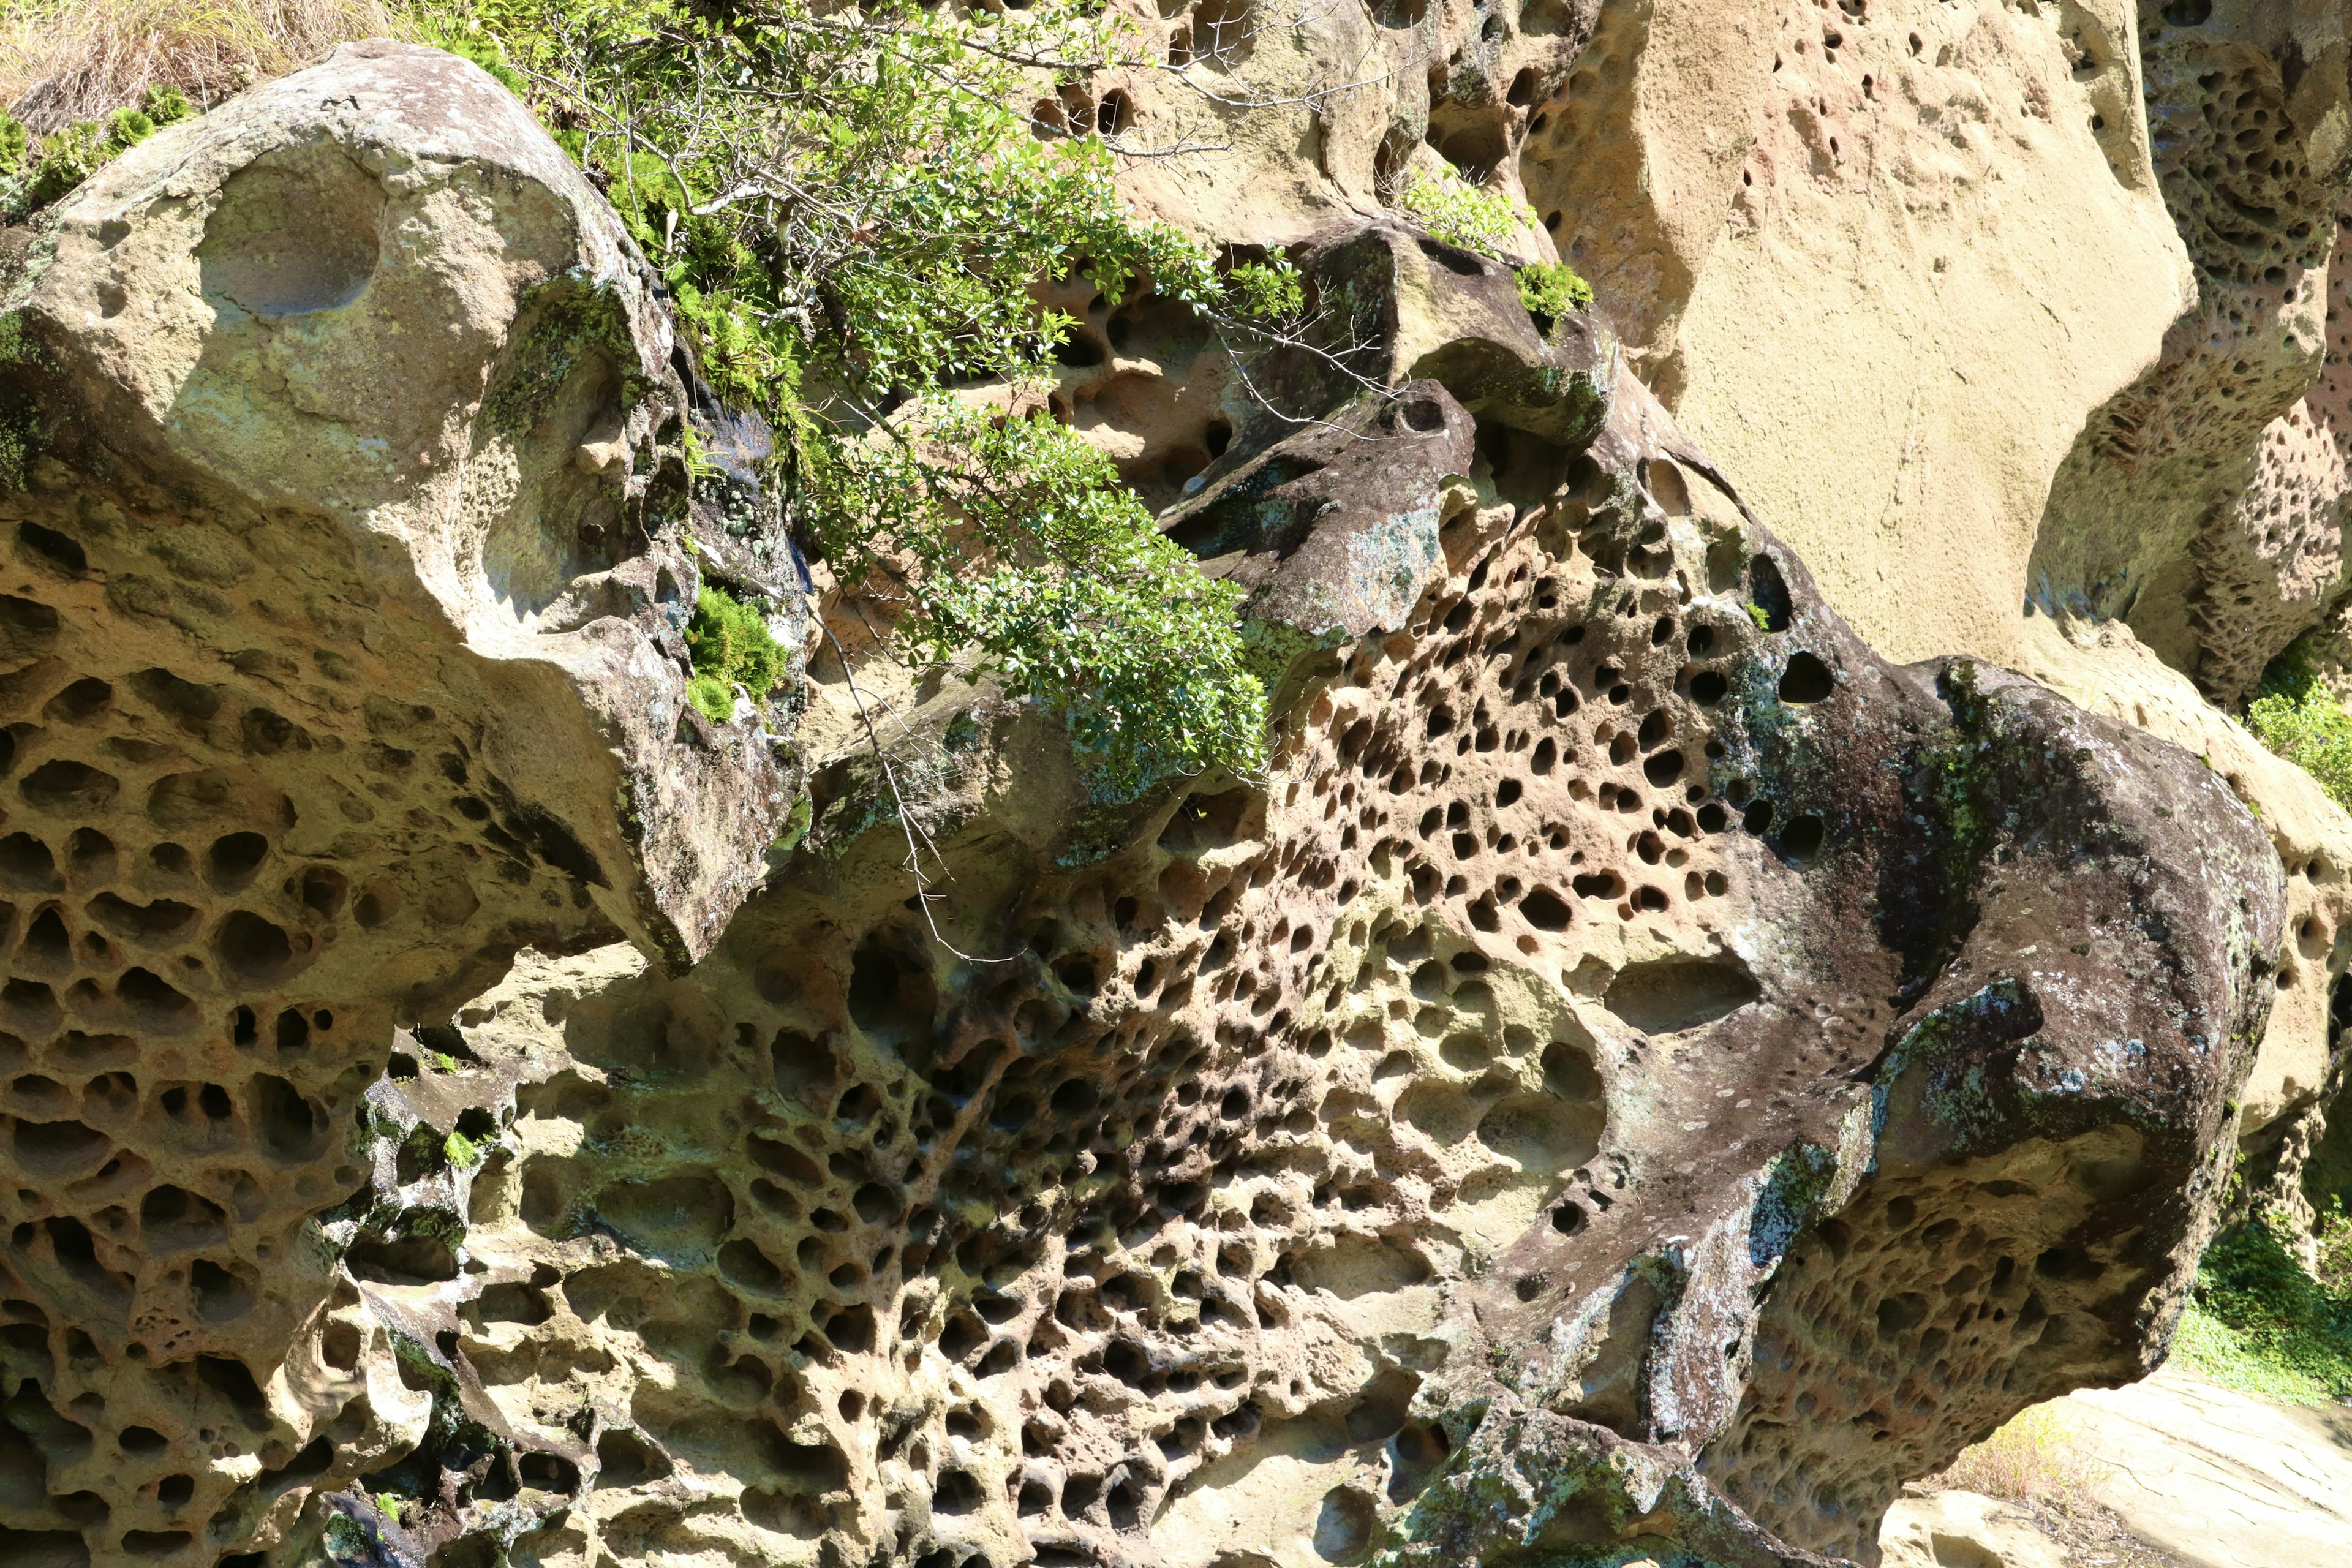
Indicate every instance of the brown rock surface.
{"type": "Point", "coordinates": [1642, 1074]}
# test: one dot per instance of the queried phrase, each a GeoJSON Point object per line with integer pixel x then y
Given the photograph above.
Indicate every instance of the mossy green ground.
{"type": "Point", "coordinates": [2260, 1323]}
{"type": "Point", "coordinates": [2297, 716]}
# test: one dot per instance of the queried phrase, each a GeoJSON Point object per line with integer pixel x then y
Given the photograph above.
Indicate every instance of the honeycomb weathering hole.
{"type": "Point", "coordinates": [1670, 994]}
{"type": "Point", "coordinates": [297, 230]}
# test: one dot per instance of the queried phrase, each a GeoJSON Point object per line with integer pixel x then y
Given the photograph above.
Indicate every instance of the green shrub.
{"type": "Point", "coordinates": [731, 647]}
{"type": "Point", "coordinates": [850, 214]}
{"type": "Point", "coordinates": [2303, 721]}
{"type": "Point", "coordinates": [2258, 1322]}
{"type": "Point", "coordinates": [1550, 289]}
{"type": "Point", "coordinates": [1454, 210]}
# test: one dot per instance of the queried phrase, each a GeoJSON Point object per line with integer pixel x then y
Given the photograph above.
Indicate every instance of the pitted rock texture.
{"type": "Point", "coordinates": [1641, 1072]}
{"type": "Point", "coordinates": [2203, 504]}
{"type": "Point", "coordinates": [1988, 307]}
{"type": "Point", "coordinates": [339, 596]}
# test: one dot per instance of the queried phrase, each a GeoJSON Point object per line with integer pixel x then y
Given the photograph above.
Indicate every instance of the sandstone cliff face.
{"type": "Point", "coordinates": [1641, 1076]}
{"type": "Point", "coordinates": [1990, 309]}
{"type": "Point", "coordinates": [2020, 323]}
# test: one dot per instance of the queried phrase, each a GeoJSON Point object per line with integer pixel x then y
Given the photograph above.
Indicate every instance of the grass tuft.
{"type": "Point", "coordinates": [2036, 1458]}
{"type": "Point", "coordinates": [1550, 289]}
{"type": "Point", "coordinates": [66, 62]}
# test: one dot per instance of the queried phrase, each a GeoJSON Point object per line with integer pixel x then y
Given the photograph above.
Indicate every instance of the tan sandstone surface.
{"type": "Point", "coordinates": [1962, 1530]}
{"type": "Point", "coordinates": [1642, 1077]}
{"type": "Point", "coordinates": [2218, 1479]}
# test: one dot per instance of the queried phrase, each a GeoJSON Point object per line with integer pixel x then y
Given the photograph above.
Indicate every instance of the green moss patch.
{"type": "Point", "coordinates": [731, 647]}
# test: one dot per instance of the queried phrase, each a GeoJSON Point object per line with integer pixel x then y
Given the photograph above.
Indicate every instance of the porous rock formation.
{"type": "Point", "coordinates": [342, 613]}
{"type": "Point", "coordinates": [1640, 1077]}
{"type": "Point", "coordinates": [1639, 1072]}
{"type": "Point", "coordinates": [1987, 307]}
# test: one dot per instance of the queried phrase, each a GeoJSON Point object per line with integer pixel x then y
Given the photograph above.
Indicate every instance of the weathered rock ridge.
{"type": "Point", "coordinates": [1640, 1077]}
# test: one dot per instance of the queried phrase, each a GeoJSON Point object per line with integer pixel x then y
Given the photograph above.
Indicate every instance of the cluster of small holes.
{"type": "Point", "coordinates": [1014, 1252]}
{"type": "Point", "coordinates": [2262, 228]}
{"type": "Point", "coordinates": [2258, 223]}
{"type": "Point", "coordinates": [2261, 563]}
{"type": "Point", "coordinates": [202, 867]}
{"type": "Point", "coordinates": [1885, 1333]}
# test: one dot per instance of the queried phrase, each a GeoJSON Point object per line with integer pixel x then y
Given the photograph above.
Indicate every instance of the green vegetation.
{"type": "Point", "coordinates": [1454, 210]}
{"type": "Point", "coordinates": [2260, 1323]}
{"type": "Point", "coordinates": [731, 646]}
{"type": "Point", "coordinates": [1550, 289]}
{"type": "Point", "coordinates": [462, 1150]}
{"type": "Point", "coordinates": [2300, 718]}
{"type": "Point", "coordinates": [35, 171]}
{"type": "Point", "coordinates": [850, 212]}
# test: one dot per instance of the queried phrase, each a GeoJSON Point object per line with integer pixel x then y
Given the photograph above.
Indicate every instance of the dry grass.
{"type": "Point", "coordinates": [2037, 1457]}
{"type": "Point", "coordinates": [63, 60]}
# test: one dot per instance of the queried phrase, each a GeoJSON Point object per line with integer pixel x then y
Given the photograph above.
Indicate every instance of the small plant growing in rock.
{"type": "Point", "coordinates": [35, 173]}
{"type": "Point", "coordinates": [464, 1154]}
{"type": "Point", "coordinates": [731, 647]}
{"type": "Point", "coordinates": [850, 210]}
{"type": "Point", "coordinates": [1459, 213]}
{"type": "Point", "coordinates": [1550, 289]}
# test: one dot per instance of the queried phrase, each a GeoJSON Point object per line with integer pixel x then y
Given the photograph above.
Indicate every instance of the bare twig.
{"type": "Point", "coordinates": [918, 839]}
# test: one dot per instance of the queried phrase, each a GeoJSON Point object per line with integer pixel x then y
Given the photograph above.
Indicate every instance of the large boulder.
{"type": "Point", "coordinates": [1640, 1075]}
{"type": "Point", "coordinates": [1990, 308]}
{"type": "Point", "coordinates": [340, 500]}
